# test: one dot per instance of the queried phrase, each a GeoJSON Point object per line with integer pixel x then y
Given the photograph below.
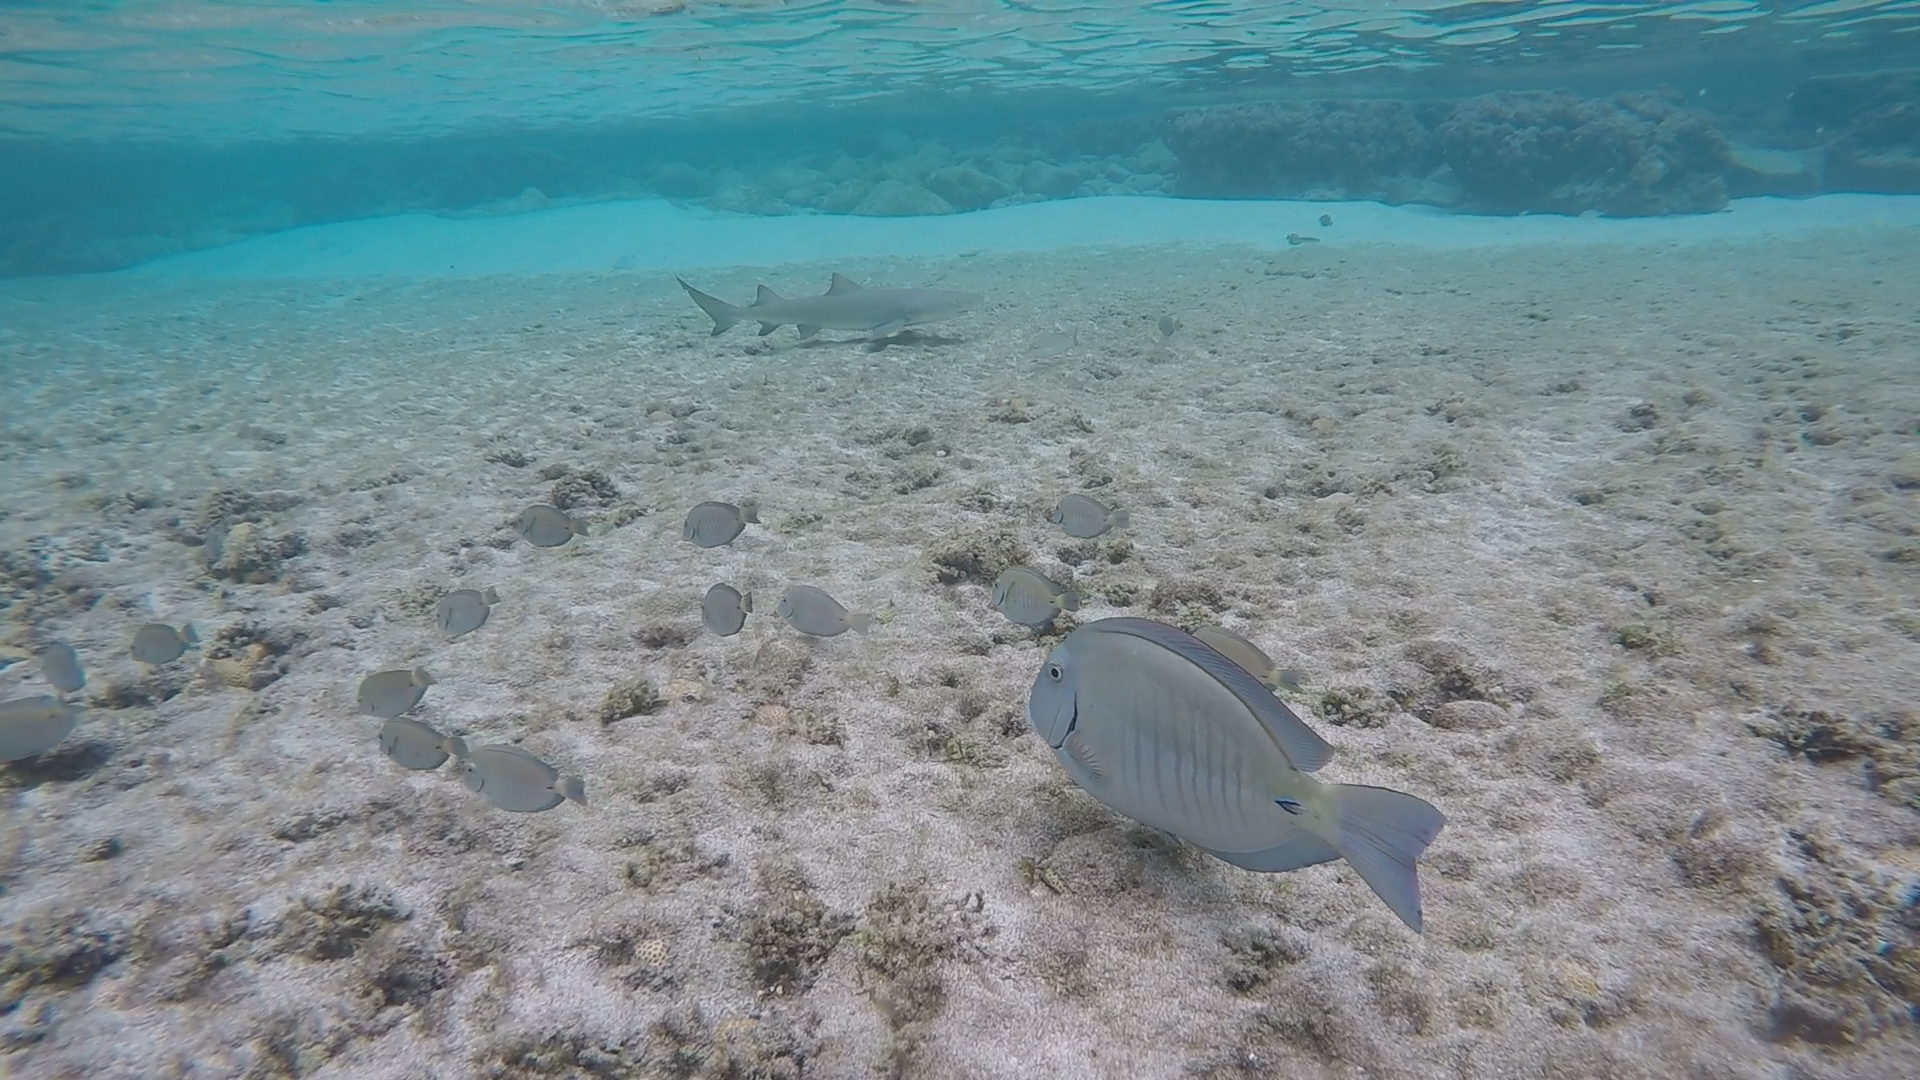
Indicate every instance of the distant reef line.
{"type": "Point", "coordinates": [74, 208]}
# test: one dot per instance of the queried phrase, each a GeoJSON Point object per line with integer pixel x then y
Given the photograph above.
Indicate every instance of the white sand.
{"type": "Point", "coordinates": [1408, 467]}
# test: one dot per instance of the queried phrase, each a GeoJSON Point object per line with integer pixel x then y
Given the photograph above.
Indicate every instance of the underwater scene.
{"type": "Point", "coordinates": [960, 539]}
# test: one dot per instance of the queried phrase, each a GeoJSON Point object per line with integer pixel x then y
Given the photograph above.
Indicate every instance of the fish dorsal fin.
{"type": "Point", "coordinates": [766, 296]}
{"type": "Point", "coordinates": [842, 284]}
{"type": "Point", "coordinates": [1303, 747]}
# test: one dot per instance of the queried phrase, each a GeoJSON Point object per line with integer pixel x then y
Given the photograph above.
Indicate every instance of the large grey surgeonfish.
{"type": "Point", "coordinates": [1162, 727]}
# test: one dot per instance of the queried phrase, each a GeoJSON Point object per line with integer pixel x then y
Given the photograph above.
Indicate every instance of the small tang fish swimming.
{"type": "Point", "coordinates": [1158, 725]}
{"type": "Point", "coordinates": [1248, 655]}
{"type": "Point", "coordinates": [416, 746]}
{"type": "Point", "coordinates": [387, 694]}
{"type": "Point", "coordinates": [61, 665]}
{"type": "Point", "coordinates": [515, 780]}
{"type": "Point", "coordinates": [1031, 598]}
{"type": "Point", "coordinates": [725, 608]}
{"type": "Point", "coordinates": [546, 526]}
{"type": "Point", "coordinates": [812, 611]}
{"type": "Point", "coordinates": [1085, 518]}
{"type": "Point", "coordinates": [712, 524]}
{"type": "Point", "coordinates": [463, 611]}
{"type": "Point", "coordinates": [157, 643]}
{"type": "Point", "coordinates": [30, 725]}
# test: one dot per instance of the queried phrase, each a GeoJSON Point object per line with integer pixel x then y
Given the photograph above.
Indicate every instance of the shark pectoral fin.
{"type": "Point", "coordinates": [842, 284]}
{"type": "Point", "coordinates": [1301, 849]}
{"type": "Point", "coordinates": [768, 328]}
{"type": "Point", "coordinates": [888, 329]}
{"type": "Point", "coordinates": [808, 331]}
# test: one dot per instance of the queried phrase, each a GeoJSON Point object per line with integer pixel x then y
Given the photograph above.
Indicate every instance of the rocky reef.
{"type": "Point", "coordinates": [1868, 125]}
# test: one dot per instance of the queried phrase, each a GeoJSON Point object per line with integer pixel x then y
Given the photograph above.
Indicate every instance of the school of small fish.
{"type": "Point", "coordinates": [1181, 731]}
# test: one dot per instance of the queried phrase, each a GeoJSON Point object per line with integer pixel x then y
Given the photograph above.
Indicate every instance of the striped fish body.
{"type": "Point", "coordinates": [1160, 741]}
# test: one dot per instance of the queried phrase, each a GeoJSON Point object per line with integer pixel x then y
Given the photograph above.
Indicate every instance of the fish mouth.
{"type": "Point", "coordinates": [1072, 723]}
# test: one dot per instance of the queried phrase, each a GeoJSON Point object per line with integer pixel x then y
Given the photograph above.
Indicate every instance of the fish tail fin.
{"type": "Point", "coordinates": [859, 621]}
{"type": "Point", "coordinates": [723, 314]}
{"type": "Point", "coordinates": [422, 678]}
{"type": "Point", "coordinates": [1381, 833]}
{"type": "Point", "coordinates": [1068, 600]}
{"type": "Point", "coordinates": [456, 746]}
{"type": "Point", "coordinates": [572, 787]}
{"type": "Point", "coordinates": [1120, 519]}
{"type": "Point", "coordinates": [750, 511]}
{"type": "Point", "coordinates": [746, 601]}
{"type": "Point", "coordinates": [490, 596]}
{"type": "Point", "coordinates": [189, 635]}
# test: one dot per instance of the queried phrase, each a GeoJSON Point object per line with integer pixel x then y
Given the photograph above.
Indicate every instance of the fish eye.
{"type": "Point", "coordinates": [1054, 672]}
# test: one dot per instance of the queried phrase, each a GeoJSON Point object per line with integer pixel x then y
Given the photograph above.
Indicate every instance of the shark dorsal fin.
{"type": "Point", "coordinates": [765, 296]}
{"type": "Point", "coordinates": [842, 284]}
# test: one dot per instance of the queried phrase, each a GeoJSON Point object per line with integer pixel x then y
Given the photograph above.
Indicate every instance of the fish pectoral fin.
{"type": "Point", "coordinates": [808, 331]}
{"type": "Point", "coordinates": [887, 329]}
{"type": "Point", "coordinates": [1301, 849]}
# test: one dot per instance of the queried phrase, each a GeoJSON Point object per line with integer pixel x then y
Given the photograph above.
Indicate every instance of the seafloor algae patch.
{"type": "Point", "coordinates": [1887, 749]}
{"type": "Point", "coordinates": [789, 934]}
{"type": "Point", "coordinates": [59, 950]}
{"type": "Point", "coordinates": [1846, 941]}
{"type": "Point", "coordinates": [334, 924]}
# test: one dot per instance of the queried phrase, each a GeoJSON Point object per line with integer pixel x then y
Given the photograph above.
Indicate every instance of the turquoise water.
{"type": "Point", "coordinates": [141, 129]}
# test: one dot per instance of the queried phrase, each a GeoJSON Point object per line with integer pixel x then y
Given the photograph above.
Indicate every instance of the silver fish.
{"type": "Point", "coordinates": [387, 694]}
{"type": "Point", "coordinates": [1158, 725]}
{"type": "Point", "coordinates": [61, 665]}
{"type": "Point", "coordinates": [846, 306]}
{"type": "Point", "coordinates": [30, 725]}
{"type": "Point", "coordinates": [463, 611]}
{"type": "Point", "coordinates": [1031, 598]}
{"type": "Point", "coordinates": [725, 609]}
{"type": "Point", "coordinates": [1169, 326]}
{"type": "Point", "coordinates": [416, 746]}
{"type": "Point", "coordinates": [712, 524]}
{"type": "Point", "coordinates": [515, 780]}
{"type": "Point", "coordinates": [1248, 655]}
{"type": "Point", "coordinates": [546, 526]}
{"type": "Point", "coordinates": [158, 643]}
{"type": "Point", "coordinates": [812, 611]}
{"type": "Point", "coordinates": [1086, 518]}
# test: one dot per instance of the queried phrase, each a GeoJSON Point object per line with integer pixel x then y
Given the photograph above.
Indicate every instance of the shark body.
{"type": "Point", "coordinates": [845, 306]}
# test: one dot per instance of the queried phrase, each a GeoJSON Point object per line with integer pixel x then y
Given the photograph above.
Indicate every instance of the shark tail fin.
{"type": "Point", "coordinates": [723, 314]}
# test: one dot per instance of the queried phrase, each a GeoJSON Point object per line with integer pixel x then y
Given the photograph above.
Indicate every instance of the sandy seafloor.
{"type": "Point", "coordinates": [1657, 501]}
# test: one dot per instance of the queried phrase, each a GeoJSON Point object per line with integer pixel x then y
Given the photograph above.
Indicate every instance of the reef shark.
{"type": "Point", "coordinates": [846, 306]}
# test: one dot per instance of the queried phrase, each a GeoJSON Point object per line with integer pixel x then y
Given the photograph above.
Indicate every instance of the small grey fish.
{"type": "Point", "coordinates": [61, 665]}
{"type": "Point", "coordinates": [812, 611]}
{"type": "Point", "coordinates": [157, 643]}
{"type": "Point", "coordinates": [546, 526]}
{"type": "Point", "coordinates": [1031, 598]}
{"type": "Point", "coordinates": [416, 746]}
{"type": "Point", "coordinates": [30, 725]}
{"type": "Point", "coordinates": [1078, 515]}
{"type": "Point", "coordinates": [725, 609]}
{"type": "Point", "coordinates": [1158, 725]}
{"type": "Point", "coordinates": [1053, 344]}
{"type": "Point", "coordinates": [1169, 326]}
{"type": "Point", "coordinates": [1326, 221]}
{"type": "Point", "coordinates": [712, 524]}
{"type": "Point", "coordinates": [387, 694]}
{"type": "Point", "coordinates": [463, 611]}
{"type": "Point", "coordinates": [1248, 655]}
{"type": "Point", "coordinates": [515, 780]}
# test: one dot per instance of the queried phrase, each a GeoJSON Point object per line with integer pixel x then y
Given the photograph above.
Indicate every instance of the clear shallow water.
{"type": "Point", "coordinates": [171, 69]}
